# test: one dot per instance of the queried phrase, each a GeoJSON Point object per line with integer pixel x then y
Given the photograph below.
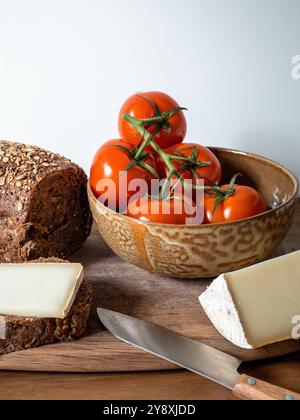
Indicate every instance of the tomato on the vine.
{"type": "Point", "coordinates": [174, 211]}
{"type": "Point", "coordinates": [148, 105]}
{"type": "Point", "coordinates": [210, 172]}
{"type": "Point", "coordinates": [245, 202]}
{"type": "Point", "coordinates": [109, 164]}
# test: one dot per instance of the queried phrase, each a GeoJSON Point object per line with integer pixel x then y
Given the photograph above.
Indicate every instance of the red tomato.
{"type": "Point", "coordinates": [245, 202]}
{"type": "Point", "coordinates": [212, 173]}
{"type": "Point", "coordinates": [110, 161]}
{"type": "Point", "coordinates": [139, 107]}
{"type": "Point", "coordinates": [174, 211]}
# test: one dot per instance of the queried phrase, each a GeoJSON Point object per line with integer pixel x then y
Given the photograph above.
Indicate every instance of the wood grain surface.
{"type": "Point", "coordinates": [168, 302]}
{"type": "Point", "coordinates": [174, 385]}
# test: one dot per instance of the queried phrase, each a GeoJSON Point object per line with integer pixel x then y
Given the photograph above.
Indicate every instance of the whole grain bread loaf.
{"type": "Point", "coordinates": [44, 209]}
{"type": "Point", "coordinates": [23, 333]}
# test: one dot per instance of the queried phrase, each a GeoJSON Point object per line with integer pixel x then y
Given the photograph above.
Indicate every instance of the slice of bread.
{"type": "Point", "coordinates": [22, 333]}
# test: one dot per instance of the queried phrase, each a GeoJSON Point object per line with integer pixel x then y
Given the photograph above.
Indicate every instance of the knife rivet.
{"type": "Point", "coordinates": [251, 382]}
{"type": "Point", "coordinates": [289, 398]}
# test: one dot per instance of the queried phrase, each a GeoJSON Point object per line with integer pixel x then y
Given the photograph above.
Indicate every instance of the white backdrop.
{"type": "Point", "coordinates": [67, 65]}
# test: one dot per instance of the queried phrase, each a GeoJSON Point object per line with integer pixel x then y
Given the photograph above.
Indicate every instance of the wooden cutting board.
{"type": "Point", "coordinates": [168, 302]}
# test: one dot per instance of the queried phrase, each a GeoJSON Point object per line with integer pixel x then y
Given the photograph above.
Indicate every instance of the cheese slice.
{"type": "Point", "coordinates": [256, 306]}
{"type": "Point", "coordinates": [35, 290]}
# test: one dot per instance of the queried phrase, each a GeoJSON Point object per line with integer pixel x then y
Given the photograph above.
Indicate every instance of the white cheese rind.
{"type": "Point", "coordinates": [43, 290]}
{"type": "Point", "coordinates": [256, 306]}
{"type": "Point", "coordinates": [218, 305]}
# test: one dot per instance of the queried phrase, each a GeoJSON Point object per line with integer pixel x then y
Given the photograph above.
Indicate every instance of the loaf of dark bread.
{"type": "Point", "coordinates": [44, 209]}
{"type": "Point", "coordinates": [23, 333]}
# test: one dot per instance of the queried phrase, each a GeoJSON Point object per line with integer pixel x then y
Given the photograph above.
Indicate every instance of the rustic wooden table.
{"type": "Point", "coordinates": [173, 385]}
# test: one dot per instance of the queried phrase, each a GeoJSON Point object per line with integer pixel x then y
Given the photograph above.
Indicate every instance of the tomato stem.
{"type": "Point", "coordinates": [148, 140]}
{"type": "Point", "coordinates": [161, 121]}
{"type": "Point", "coordinates": [220, 198]}
{"type": "Point", "coordinates": [137, 160]}
{"type": "Point", "coordinates": [162, 118]}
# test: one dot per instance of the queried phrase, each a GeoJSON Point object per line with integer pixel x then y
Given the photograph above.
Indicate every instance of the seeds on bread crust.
{"type": "Point", "coordinates": [44, 210]}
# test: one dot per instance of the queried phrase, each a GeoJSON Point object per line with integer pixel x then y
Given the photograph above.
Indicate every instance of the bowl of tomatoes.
{"type": "Point", "coordinates": [234, 208]}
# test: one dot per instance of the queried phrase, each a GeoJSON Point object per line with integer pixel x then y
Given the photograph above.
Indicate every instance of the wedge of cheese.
{"type": "Point", "coordinates": [256, 306]}
{"type": "Point", "coordinates": [40, 290]}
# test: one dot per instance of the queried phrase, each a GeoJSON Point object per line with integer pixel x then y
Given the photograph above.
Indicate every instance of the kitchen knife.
{"type": "Point", "coordinates": [192, 355]}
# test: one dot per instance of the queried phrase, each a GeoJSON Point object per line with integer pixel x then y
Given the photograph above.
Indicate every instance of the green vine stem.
{"type": "Point", "coordinates": [161, 120]}
{"type": "Point", "coordinates": [148, 140]}
{"type": "Point", "coordinates": [163, 117]}
{"type": "Point", "coordinates": [134, 162]}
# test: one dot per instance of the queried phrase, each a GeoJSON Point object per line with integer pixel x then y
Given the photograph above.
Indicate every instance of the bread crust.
{"type": "Point", "coordinates": [44, 209]}
{"type": "Point", "coordinates": [23, 333]}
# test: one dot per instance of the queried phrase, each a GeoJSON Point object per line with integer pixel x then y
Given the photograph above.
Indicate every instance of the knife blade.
{"type": "Point", "coordinates": [191, 355]}
{"type": "Point", "coordinates": [185, 352]}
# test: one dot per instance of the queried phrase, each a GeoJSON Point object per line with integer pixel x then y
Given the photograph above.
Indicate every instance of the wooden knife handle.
{"type": "Point", "coordinates": [249, 388]}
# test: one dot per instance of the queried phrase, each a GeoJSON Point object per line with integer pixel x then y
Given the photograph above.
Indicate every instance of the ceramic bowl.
{"type": "Point", "coordinates": [204, 251]}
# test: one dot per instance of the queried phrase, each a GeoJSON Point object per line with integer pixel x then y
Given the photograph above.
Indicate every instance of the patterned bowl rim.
{"type": "Point", "coordinates": [289, 173]}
